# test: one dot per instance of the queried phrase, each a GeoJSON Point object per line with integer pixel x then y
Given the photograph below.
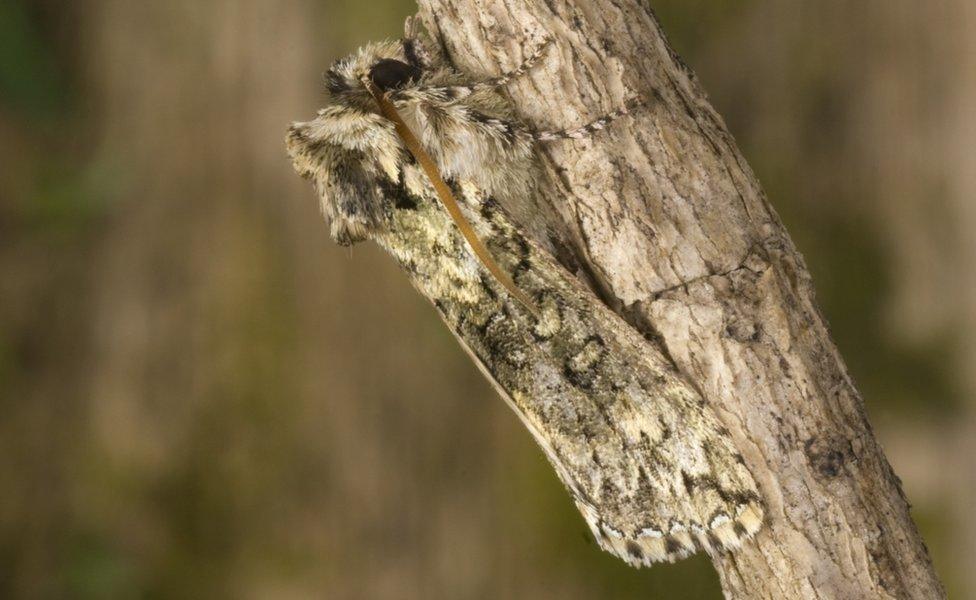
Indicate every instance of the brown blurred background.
{"type": "Point", "coordinates": [201, 396]}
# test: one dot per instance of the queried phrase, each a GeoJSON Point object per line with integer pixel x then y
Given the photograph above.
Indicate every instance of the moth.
{"type": "Point", "coordinates": [410, 154]}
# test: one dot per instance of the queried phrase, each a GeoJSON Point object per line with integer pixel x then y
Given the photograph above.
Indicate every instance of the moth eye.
{"type": "Point", "coordinates": [389, 74]}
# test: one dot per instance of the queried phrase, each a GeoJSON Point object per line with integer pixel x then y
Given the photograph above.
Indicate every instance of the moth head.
{"type": "Point", "coordinates": [388, 65]}
{"type": "Point", "coordinates": [391, 74]}
{"type": "Point", "coordinates": [349, 152]}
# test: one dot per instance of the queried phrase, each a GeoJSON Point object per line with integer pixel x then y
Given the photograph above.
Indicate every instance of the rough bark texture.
{"type": "Point", "coordinates": [678, 236]}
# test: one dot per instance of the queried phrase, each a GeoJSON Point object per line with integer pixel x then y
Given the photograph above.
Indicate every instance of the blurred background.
{"type": "Point", "coordinates": [202, 396]}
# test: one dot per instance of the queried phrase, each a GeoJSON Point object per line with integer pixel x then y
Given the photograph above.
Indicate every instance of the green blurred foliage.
{"type": "Point", "coordinates": [30, 80]}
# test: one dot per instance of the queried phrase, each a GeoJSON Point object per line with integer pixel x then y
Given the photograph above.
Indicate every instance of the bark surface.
{"type": "Point", "coordinates": [674, 232]}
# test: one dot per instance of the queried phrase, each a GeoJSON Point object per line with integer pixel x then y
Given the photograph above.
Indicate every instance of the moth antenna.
{"type": "Point", "coordinates": [416, 52]}
{"type": "Point", "coordinates": [527, 64]}
{"type": "Point", "coordinates": [457, 92]}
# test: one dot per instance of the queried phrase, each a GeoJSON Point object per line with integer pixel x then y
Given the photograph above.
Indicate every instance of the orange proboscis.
{"type": "Point", "coordinates": [447, 197]}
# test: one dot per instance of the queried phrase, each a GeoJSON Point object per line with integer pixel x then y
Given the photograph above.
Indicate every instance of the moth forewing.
{"type": "Point", "coordinates": [649, 465]}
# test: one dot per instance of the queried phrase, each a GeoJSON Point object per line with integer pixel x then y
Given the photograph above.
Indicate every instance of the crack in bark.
{"type": "Point", "coordinates": [656, 294]}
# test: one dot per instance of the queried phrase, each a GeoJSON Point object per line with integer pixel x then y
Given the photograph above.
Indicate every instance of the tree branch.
{"type": "Point", "coordinates": [653, 209]}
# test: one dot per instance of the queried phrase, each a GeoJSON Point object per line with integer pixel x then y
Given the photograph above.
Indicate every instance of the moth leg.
{"type": "Point", "coordinates": [586, 130]}
{"type": "Point", "coordinates": [508, 131]}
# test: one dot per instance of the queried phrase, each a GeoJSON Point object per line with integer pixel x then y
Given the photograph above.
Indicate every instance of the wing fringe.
{"type": "Point", "coordinates": [723, 534]}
